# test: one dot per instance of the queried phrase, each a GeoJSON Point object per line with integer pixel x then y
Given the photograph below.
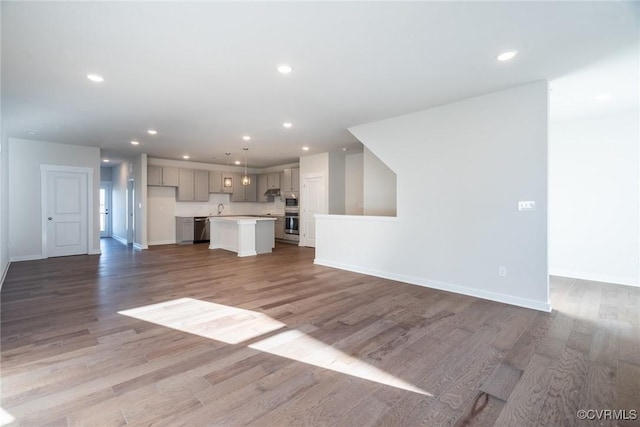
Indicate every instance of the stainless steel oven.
{"type": "Point", "coordinates": [291, 227]}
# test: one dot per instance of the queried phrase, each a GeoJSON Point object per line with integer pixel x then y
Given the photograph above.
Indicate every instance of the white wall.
{"type": "Point", "coordinates": [4, 185]}
{"type": "Point", "coordinates": [379, 187]}
{"type": "Point", "coordinates": [594, 198]}
{"type": "Point", "coordinates": [140, 182]}
{"type": "Point", "coordinates": [353, 192]}
{"type": "Point", "coordinates": [336, 183]}
{"type": "Point", "coordinates": [25, 158]}
{"type": "Point", "coordinates": [119, 177]}
{"type": "Point", "coordinates": [106, 173]}
{"type": "Point", "coordinates": [461, 170]}
{"type": "Point", "coordinates": [132, 169]}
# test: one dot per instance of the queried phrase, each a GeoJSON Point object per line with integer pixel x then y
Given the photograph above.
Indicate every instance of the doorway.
{"type": "Point", "coordinates": [105, 209]}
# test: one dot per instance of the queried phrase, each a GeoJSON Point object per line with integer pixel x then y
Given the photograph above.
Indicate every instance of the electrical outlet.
{"type": "Point", "coordinates": [527, 205]}
{"type": "Point", "coordinates": [502, 271]}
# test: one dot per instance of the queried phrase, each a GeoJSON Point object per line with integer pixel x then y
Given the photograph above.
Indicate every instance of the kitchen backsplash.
{"type": "Point", "coordinates": [210, 208]}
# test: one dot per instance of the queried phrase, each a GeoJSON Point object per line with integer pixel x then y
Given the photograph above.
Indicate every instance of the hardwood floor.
{"type": "Point", "coordinates": [181, 335]}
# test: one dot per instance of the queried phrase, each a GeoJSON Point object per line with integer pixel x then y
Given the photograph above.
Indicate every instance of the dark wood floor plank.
{"type": "Point", "coordinates": [407, 355]}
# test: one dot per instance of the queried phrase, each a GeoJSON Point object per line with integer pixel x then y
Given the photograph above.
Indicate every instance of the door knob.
{"type": "Point", "coordinates": [49, 218]}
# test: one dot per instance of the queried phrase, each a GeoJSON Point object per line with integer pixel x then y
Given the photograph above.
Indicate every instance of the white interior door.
{"type": "Point", "coordinates": [66, 212]}
{"type": "Point", "coordinates": [313, 196]}
{"type": "Point", "coordinates": [105, 209]}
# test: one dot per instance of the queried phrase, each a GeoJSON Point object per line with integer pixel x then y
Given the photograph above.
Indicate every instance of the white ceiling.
{"type": "Point", "coordinates": [204, 74]}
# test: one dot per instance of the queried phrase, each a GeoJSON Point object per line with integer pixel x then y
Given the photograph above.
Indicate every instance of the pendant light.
{"type": "Point", "coordinates": [227, 180]}
{"type": "Point", "coordinates": [246, 180]}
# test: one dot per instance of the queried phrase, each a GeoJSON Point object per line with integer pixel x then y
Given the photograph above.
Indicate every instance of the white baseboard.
{"type": "Point", "coordinates": [95, 252]}
{"type": "Point", "coordinates": [616, 280]}
{"type": "Point", "coordinates": [5, 270]}
{"type": "Point", "coordinates": [26, 258]}
{"type": "Point", "coordinates": [140, 246]}
{"type": "Point", "coordinates": [492, 296]}
{"type": "Point", "coordinates": [120, 239]}
{"type": "Point", "coordinates": [162, 242]}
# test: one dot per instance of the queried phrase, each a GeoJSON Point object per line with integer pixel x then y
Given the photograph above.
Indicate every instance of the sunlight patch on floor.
{"type": "Point", "coordinates": [5, 417]}
{"type": "Point", "coordinates": [218, 322]}
{"type": "Point", "coordinates": [234, 325]}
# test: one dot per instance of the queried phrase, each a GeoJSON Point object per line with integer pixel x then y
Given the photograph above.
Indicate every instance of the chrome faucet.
{"type": "Point", "coordinates": [220, 208]}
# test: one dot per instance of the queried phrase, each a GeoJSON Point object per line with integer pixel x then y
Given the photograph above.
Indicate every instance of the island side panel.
{"type": "Point", "coordinates": [246, 238]}
{"type": "Point", "coordinates": [265, 236]}
{"type": "Point", "coordinates": [223, 235]}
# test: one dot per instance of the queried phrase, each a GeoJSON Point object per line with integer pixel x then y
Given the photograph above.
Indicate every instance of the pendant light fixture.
{"type": "Point", "coordinates": [227, 180]}
{"type": "Point", "coordinates": [246, 180]}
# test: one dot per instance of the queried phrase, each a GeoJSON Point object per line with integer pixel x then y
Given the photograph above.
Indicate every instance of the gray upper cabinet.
{"type": "Point", "coordinates": [263, 186]}
{"type": "Point", "coordinates": [217, 180]}
{"type": "Point", "coordinates": [201, 186]}
{"type": "Point", "coordinates": [244, 193]}
{"type": "Point", "coordinates": [154, 175]}
{"type": "Point", "coordinates": [159, 176]}
{"type": "Point", "coordinates": [186, 187]}
{"type": "Point", "coordinates": [291, 178]}
{"type": "Point", "coordinates": [273, 180]}
{"type": "Point", "coordinates": [194, 186]}
{"type": "Point", "coordinates": [170, 177]}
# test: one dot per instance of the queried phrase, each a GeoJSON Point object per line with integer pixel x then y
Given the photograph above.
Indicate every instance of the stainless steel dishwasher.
{"type": "Point", "coordinates": [200, 229]}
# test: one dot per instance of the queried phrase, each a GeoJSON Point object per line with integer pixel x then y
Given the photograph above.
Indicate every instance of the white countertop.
{"type": "Point", "coordinates": [240, 217]}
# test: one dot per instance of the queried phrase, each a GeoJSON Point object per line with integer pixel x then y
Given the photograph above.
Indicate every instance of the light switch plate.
{"type": "Point", "coordinates": [526, 205]}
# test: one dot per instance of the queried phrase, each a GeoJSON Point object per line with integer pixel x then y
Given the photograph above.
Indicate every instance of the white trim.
{"type": "Point", "coordinates": [139, 246]}
{"type": "Point", "coordinates": [5, 270]}
{"type": "Point", "coordinates": [26, 258]}
{"type": "Point", "coordinates": [120, 239]}
{"type": "Point", "coordinates": [162, 242]}
{"type": "Point", "coordinates": [492, 296]}
{"type": "Point", "coordinates": [94, 252]}
{"type": "Point", "coordinates": [616, 280]}
{"type": "Point", "coordinates": [43, 201]}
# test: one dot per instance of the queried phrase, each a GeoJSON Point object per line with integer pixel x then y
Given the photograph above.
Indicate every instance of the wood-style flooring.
{"type": "Point", "coordinates": [186, 336]}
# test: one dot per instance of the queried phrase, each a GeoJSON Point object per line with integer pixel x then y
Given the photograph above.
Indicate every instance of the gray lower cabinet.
{"type": "Point", "coordinates": [279, 227]}
{"type": "Point", "coordinates": [184, 230]}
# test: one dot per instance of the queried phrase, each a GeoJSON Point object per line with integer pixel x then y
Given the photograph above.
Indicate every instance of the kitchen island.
{"type": "Point", "coordinates": [245, 235]}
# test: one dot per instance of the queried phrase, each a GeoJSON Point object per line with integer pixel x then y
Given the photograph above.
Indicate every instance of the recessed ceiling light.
{"type": "Point", "coordinates": [96, 78]}
{"type": "Point", "coordinates": [186, 157]}
{"type": "Point", "coordinates": [237, 162]}
{"type": "Point", "coordinates": [603, 97]}
{"type": "Point", "coordinates": [345, 149]}
{"type": "Point", "coordinates": [105, 160]}
{"type": "Point", "coordinates": [134, 143]}
{"type": "Point", "coordinates": [246, 137]}
{"type": "Point", "coordinates": [287, 125]}
{"type": "Point", "coordinates": [32, 131]}
{"type": "Point", "coordinates": [285, 68]}
{"type": "Point", "coordinates": [506, 56]}
{"type": "Point", "coordinates": [152, 132]}
{"type": "Point", "coordinates": [305, 148]}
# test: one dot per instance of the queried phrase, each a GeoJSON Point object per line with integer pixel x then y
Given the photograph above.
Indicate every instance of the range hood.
{"type": "Point", "coordinates": [272, 192]}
